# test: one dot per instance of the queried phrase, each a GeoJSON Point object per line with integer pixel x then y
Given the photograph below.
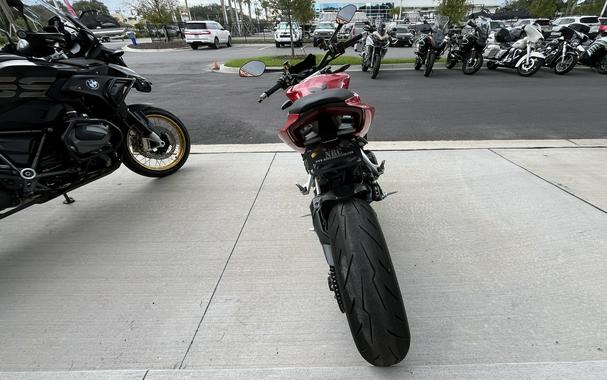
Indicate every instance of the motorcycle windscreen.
{"type": "Point", "coordinates": [533, 34]}
{"type": "Point", "coordinates": [484, 28]}
{"type": "Point", "coordinates": [307, 63]}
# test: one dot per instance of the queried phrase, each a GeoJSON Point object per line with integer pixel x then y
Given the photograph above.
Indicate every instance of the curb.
{"type": "Point", "coordinates": [412, 145]}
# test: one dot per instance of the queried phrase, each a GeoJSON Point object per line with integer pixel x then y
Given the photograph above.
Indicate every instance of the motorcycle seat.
{"type": "Point", "coordinates": [10, 57]}
{"type": "Point", "coordinates": [320, 98]}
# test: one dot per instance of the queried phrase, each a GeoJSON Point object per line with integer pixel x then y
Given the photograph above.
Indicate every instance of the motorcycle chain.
{"type": "Point", "coordinates": [332, 279]}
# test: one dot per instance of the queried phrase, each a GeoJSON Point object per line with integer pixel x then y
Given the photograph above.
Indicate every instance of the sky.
{"type": "Point", "coordinates": [119, 4]}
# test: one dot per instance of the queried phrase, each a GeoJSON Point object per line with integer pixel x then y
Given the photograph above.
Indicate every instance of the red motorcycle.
{"type": "Point", "coordinates": [328, 124]}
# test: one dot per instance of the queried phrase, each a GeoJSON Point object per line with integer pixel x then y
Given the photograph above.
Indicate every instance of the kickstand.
{"type": "Point", "coordinates": [68, 200]}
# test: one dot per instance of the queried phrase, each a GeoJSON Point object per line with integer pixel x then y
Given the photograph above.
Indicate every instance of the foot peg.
{"type": "Point", "coordinates": [303, 189]}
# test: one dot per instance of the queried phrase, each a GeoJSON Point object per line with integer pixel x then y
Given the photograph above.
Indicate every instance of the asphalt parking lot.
{"type": "Point", "coordinates": [222, 108]}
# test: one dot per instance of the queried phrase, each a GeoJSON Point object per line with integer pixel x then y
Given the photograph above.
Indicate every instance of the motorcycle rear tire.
{"type": "Point", "coordinates": [376, 65]}
{"type": "Point", "coordinates": [601, 67]}
{"type": "Point", "coordinates": [469, 69]}
{"type": "Point", "coordinates": [367, 283]}
{"type": "Point", "coordinates": [418, 63]}
{"type": "Point", "coordinates": [429, 63]}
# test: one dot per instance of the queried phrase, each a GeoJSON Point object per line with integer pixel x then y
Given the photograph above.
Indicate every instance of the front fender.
{"type": "Point", "coordinates": [533, 54]}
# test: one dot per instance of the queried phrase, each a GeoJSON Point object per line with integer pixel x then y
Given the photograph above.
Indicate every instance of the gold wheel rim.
{"type": "Point", "coordinates": [176, 156]}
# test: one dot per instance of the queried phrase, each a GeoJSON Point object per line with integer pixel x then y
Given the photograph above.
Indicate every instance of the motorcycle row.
{"type": "Point", "coordinates": [525, 52]}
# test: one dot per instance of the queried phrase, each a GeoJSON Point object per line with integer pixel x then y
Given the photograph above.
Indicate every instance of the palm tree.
{"type": "Point", "coordinates": [265, 4]}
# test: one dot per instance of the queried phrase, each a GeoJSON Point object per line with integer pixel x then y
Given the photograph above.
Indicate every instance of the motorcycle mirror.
{"type": "Point", "coordinates": [346, 14]}
{"type": "Point", "coordinates": [252, 69]}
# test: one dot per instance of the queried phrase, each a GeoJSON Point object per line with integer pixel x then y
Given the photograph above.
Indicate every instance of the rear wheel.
{"type": "Point", "coordinates": [161, 161]}
{"type": "Point", "coordinates": [376, 66]}
{"type": "Point", "coordinates": [418, 63]}
{"type": "Point", "coordinates": [229, 41]}
{"type": "Point", "coordinates": [429, 63]}
{"type": "Point", "coordinates": [565, 65]}
{"type": "Point", "coordinates": [472, 64]}
{"type": "Point", "coordinates": [367, 284]}
{"type": "Point", "coordinates": [527, 69]}
{"type": "Point", "coordinates": [602, 66]}
{"type": "Point", "coordinates": [216, 43]}
{"type": "Point", "coordinates": [194, 46]}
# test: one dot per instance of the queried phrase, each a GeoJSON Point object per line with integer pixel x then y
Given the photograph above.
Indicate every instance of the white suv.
{"type": "Point", "coordinates": [282, 34]}
{"type": "Point", "coordinates": [209, 33]}
{"type": "Point", "coordinates": [592, 21]}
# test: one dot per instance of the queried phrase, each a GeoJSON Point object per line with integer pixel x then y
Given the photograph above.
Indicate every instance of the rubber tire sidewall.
{"type": "Point", "coordinates": [194, 46]}
{"type": "Point", "coordinates": [602, 62]}
{"type": "Point", "coordinates": [536, 67]}
{"type": "Point", "coordinates": [229, 44]}
{"type": "Point", "coordinates": [376, 65]}
{"type": "Point", "coordinates": [477, 68]}
{"type": "Point", "coordinates": [368, 284]}
{"type": "Point", "coordinates": [135, 167]}
{"type": "Point", "coordinates": [429, 64]}
{"type": "Point", "coordinates": [216, 43]}
{"type": "Point", "coordinates": [568, 69]}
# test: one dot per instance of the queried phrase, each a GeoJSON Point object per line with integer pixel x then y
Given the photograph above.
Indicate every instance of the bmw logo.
{"type": "Point", "coordinates": [92, 84]}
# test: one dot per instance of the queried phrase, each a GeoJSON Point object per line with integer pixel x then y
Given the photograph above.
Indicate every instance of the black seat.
{"type": "Point", "coordinates": [334, 95]}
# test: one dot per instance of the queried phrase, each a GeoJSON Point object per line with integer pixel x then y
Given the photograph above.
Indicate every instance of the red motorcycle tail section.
{"type": "Point", "coordinates": [351, 117]}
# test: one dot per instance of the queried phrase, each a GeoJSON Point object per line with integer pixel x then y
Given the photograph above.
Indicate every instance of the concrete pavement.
{"type": "Point", "coordinates": [212, 273]}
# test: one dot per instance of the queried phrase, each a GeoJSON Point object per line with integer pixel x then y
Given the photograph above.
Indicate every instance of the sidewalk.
{"type": "Point", "coordinates": [213, 272]}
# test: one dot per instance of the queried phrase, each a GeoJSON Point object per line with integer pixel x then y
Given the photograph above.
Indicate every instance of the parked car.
{"type": "Point", "coordinates": [282, 34]}
{"type": "Point", "coordinates": [324, 30]}
{"type": "Point", "coordinates": [495, 26]}
{"type": "Point", "coordinates": [592, 22]}
{"type": "Point", "coordinates": [403, 36]}
{"type": "Point", "coordinates": [208, 33]}
{"type": "Point", "coordinates": [543, 23]}
{"type": "Point", "coordinates": [103, 26]}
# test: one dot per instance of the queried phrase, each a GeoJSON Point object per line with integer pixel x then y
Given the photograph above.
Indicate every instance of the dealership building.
{"type": "Point", "coordinates": [414, 10]}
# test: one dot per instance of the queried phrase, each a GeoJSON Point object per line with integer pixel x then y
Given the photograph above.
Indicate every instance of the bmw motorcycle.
{"type": "Point", "coordinates": [63, 118]}
{"type": "Point", "coordinates": [521, 55]}
{"type": "Point", "coordinates": [376, 47]}
{"type": "Point", "coordinates": [431, 46]}
{"type": "Point", "coordinates": [328, 124]}
{"type": "Point", "coordinates": [561, 55]}
{"type": "Point", "coordinates": [468, 48]}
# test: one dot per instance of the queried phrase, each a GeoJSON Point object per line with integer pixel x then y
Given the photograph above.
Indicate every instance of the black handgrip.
{"type": "Point", "coordinates": [269, 92]}
{"type": "Point", "coordinates": [352, 41]}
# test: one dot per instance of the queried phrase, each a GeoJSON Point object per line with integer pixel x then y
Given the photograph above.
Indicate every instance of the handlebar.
{"type": "Point", "coordinates": [269, 92]}
{"type": "Point", "coordinates": [352, 41]}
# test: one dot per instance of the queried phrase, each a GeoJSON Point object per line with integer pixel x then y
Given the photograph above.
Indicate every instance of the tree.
{"type": "Point", "coordinates": [87, 5]}
{"type": "Point", "coordinates": [265, 4]}
{"type": "Point", "coordinates": [543, 8]}
{"type": "Point", "coordinates": [456, 10]}
{"type": "Point", "coordinates": [156, 11]}
{"type": "Point", "coordinates": [300, 10]}
{"type": "Point", "coordinates": [590, 7]}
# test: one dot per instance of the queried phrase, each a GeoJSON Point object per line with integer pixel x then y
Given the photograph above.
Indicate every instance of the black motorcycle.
{"type": "Point", "coordinates": [468, 48]}
{"type": "Point", "coordinates": [560, 53]}
{"type": "Point", "coordinates": [63, 117]}
{"type": "Point", "coordinates": [590, 53]}
{"type": "Point", "coordinates": [432, 45]}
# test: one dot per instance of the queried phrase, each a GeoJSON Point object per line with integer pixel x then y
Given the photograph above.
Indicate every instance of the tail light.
{"type": "Point", "coordinates": [199, 32]}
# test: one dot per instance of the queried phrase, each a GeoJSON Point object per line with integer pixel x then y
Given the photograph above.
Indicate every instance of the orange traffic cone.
{"type": "Point", "coordinates": [215, 66]}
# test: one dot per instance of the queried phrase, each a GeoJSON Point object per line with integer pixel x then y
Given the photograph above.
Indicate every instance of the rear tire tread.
{"type": "Point", "coordinates": [377, 317]}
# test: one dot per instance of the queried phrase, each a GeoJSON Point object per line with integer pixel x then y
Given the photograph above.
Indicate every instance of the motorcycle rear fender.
{"type": "Point", "coordinates": [533, 54]}
{"type": "Point", "coordinates": [320, 207]}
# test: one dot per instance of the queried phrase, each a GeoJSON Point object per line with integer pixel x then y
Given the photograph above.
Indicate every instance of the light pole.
{"type": "Point", "coordinates": [187, 7]}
